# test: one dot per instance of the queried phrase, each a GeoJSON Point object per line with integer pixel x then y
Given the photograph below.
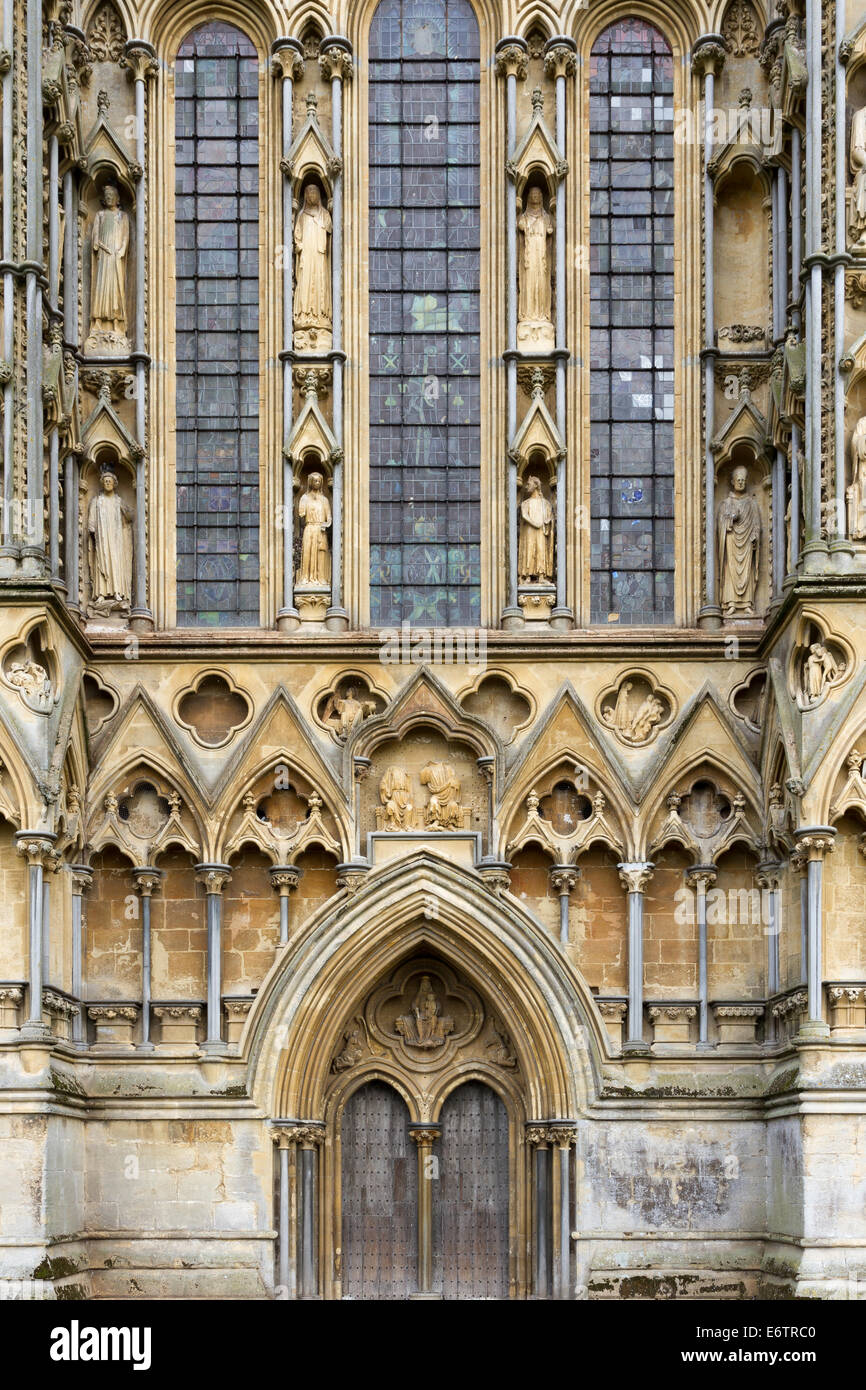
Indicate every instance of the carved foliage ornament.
{"type": "Point", "coordinates": [105, 38]}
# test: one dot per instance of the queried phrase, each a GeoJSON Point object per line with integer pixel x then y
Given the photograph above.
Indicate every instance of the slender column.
{"type": "Point", "coordinates": [10, 39]}
{"type": "Point", "coordinates": [701, 877]}
{"type": "Point", "coordinates": [796, 273]}
{"type": "Point", "coordinates": [50, 867]}
{"type": "Point", "coordinates": [361, 767]}
{"type": "Point", "coordinates": [780, 288]}
{"type": "Point", "coordinates": [214, 877]}
{"type": "Point", "coordinates": [813, 842]}
{"type": "Point", "coordinates": [141, 60]}
{"type": "Point", "coordinates": [147, 881]}
{"type": "Point", "coordinates": [708, 59]}
{"type": "Point", "coordinates": [634, 878]}
{"type": "Point", "coordinates": [310, 1137]}
{"type": "Point", "coordinates": [284, 878]}
{"type": "Point", "coordinates": [287, 65]}
{"type": "Point", "coordinates": [814, 545]}
{"type": "Point", "coordinates": [560, 62]}
{"type": "Point", "coordinates": [537, 1138]}
{"type": "Point", "coordinates": [512, 64]}
{"type": "Point", "coordinates": [563, 879]}
{"type": "Point", "coordinates": [34, 537]}
{"type": "Point", "coordinates": [768, 879]}
{"type": "Point", "coordinates": [36, 846]}
{"type": "Point", "coordinates": [424, 1136]}
{"type": "Point", "coordinates": [285, 1136]}
{"type": "Point", "coordinates": [335, 63]}
{"type": "Point", "coordinates": [562, 1135]}
{"type": "Point", "coordinates": [82, 879]}
{"type": "Point", "coordinates": [839, 542]}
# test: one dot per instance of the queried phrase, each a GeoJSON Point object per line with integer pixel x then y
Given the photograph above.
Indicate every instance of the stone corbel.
{"type": "Point", "coordinates": [61, 1012]}
{"type": "Point", "coordinates": [847, 1008]}
{"type": "Point", "coordinates": [737, 1023]}
{"type": "Point", "coordinates": [613, 1012]}
{"type": "Point", "coordinates": [114, 1025]}
{"type": "Point", "coordinates": [178, 1024]}
{"type": "Point", "coordinates": [236, 1011]}
{"type": "Point", "coordinates": [672, 1022]}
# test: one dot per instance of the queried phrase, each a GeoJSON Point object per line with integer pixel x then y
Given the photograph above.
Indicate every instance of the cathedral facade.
{"type": "Point", "coordinates": [432, 724]}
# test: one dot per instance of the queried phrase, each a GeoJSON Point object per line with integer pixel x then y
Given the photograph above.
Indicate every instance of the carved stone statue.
{"type": "Point", "coordinates": [739, 547]}
{"type": "Point", "coordinates": [857, 162]}
{"type": "Point", "coordinates": [856, 492]}
{"type": "Point", "coordinates": [109, 531]}
{"type": "Point", "coordinates": [312, 311]}
{"type": "Point", "coordinates": [345, 712]}
{"type": "Point", "coordinates": [443, 809]}
{"type": "Point", "coordinates": [535, 547]}
{"type": "Point", "coordinates": [425, 1026]}
{"type": "Point", "coordinates": [396, 797]}
{"type": "Point", "coordinates": [535, 226]}
{"type": "Point", "coordinates": [314, 509]}
{"type": "Point", "coordinates": [819, 669]}
{"type": "Point", "coordinates": [650, 712]}
{"type": "Point", "coordinates": [34, 683]}
{"type": "Point", "coordinates": [109, 246]}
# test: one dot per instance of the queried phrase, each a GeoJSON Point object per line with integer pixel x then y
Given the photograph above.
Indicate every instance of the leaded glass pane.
{"type": "Point", "coordinates": [631, 318]}
{"type": "Point", "coordinates": [217, 323]}
{"type": "Point", "coordinates": [425, 240]}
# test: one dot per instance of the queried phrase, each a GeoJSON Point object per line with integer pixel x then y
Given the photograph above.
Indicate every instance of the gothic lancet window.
{"type": "Point", "coordinates": [217, 322]}
{"type": "Point", "coordinates": [424, 314]}
{"type": "Point", "coordinates": [632, 331]}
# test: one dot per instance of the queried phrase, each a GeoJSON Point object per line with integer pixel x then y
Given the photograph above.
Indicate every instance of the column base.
{"type": "Point", "coordinates": [36, 1033]}
{"type": "Point", "coordinates": [562, 619]}
{"type": "Point", "coordinates": [512, 619]}
{"type": "Point", "coordinates": [288, 620]}
{"type": "Point", "coordinates": [215, 1048]}
{"type": "Point", "coordinates": [145, 1047]}
{"type": "Point", "coordinates": [426, 1297]}
{"type": "Point", "coordinates": [814, 556]}
{"type": "Point", "coordinates": [337, 620]}
{"type": "Point", "coordinates": [141, 620]}
{"type": "Point", "coordinates": [842, 555]}
{"type": "Point", "coordinates": [813, 1030]}
{"type": "Point", "coordinates": [636, 1047]}
{"type": "Point", "coordinates": [710, 617]}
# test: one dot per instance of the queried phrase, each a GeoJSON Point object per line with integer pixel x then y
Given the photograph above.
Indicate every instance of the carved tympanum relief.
{"type": "Point", "coordinates": [443, 811]}
{"type": "Point", "coordinates": [739, 543]}
{"type": "Point", "coordinates": [635, 709]}
{"type": "Point", "coordinates": [425, 1017]}
{"type": "Point", "coordinates": [425, 783]}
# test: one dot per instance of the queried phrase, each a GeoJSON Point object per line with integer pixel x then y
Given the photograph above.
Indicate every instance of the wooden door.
{"type": "Point", "coordinates": [379, 1196]}
{"type": "Point", "coordinates": [470, 1196]}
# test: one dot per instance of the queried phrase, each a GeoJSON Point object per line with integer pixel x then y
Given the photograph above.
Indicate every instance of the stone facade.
{"type": "Point", "coordinates": [611, 873]}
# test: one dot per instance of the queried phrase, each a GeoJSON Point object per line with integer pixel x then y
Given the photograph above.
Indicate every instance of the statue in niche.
{"type": "Point", "coordinates": [739, 547]}
{"type": "Point", "coordinates": [314, 509]}
{"type": "Point", "coordinates": [345, 712]}
{"type": "Point", "coordinates": [443, 809]}
{"type": "Point", "coordinates": [425, 1027]}
{"type": "Point", "coordinates": [312, 312]}
{"type": "Point", "coordinates": [535, 546]}
{"type": "Point", "coordinates": [396, 797]}
{"type": "Point", "coordinates": [857, 162]}
{"type": "Point", "coordinates": [856, 492]}
{"type": "Point", "coordinates": [109, 550]}
{"type": "Point", "coordinates": [535, 225]}
{"type": "Point", "coordinates": [109, 245]}
{"type": "Point", "coordinates": [819, 669]}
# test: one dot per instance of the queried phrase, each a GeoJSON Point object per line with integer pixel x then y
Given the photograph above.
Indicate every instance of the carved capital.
{"type": "Point", "coordinates": [562, 1133]}
{"type": "Point", "coordinates": [336, 62]}
{"type": "Point", "coordinates": [284, 878]}
{"type": "Point", "coordinates": [563, 878]}
{"type": "Point", "coordinates": [360, 768]}
{"type": "Point", "coordinates": [496, 877]}
{"type": "Point", "coordinates": [672, 1013]}
{"type": "Point", "coordinates": [813, 842]}
{"type": "Point", "coordinates": [35, 846]}
{"type": "Point", "coordinates": [5, 61]}
{"type": "Point", "coordinates": [768, 874]}
{"type": "Point", "coordinates": [635, 877]}
{"type": "Point", "coordinates": [560, 60]}
{"type": "Point", "coordinates": [424, 1135]}
{"type": "Point", "coordinates": [236, 1009]}
{"type": "Point", "coordinates": [59, 1006]}
{"type": "Point", "coordinates": [111, 1013]}
{"type": "Point", "coordinates": [10, 995]}
{"type": "Point", "coordinates": [140, 59]}
{"type": "Point", "coordinates": [700, 877]}
{"type": "Point", "coordinates": [512, 61]}
{"type": "Point", "coordinates": [351, 877]}
{"type": "Point", "coordinates": [213, 876]}
{"type": "Point", "coordinates": [147, 880]}
{"type": "Point", "coordinates": [708, 55]}
{"type": "Point", "coordinates": [191, 1012]}
{"type": "Point", "coordinates": [536, 1136]}
{"type": "Point", "coordinates": [615, 1009]}
{"type": "Point", "coordinates": [298, 1134]}
{"type": "Point", "coordinates": [754, 1011]}
{"type": "Point", "coordinates": [287, 60]}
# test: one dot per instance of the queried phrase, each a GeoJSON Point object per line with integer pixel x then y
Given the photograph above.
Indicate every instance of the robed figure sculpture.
{"type": "Point", "coordinates": [313, 314]}
{"type": "Point", "coordinates": [109, 550]}
{"type": "Point", "coordinates": [739, 548]}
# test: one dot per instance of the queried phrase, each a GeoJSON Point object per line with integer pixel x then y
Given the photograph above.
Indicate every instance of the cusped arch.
{"type": "Point", "coordinates": [232, 799]}
{"type": "Point", "coordinates": [617, 810]}
{"type": "Point", "coordinates": [137, 767]}
{"type": "Point", "coordinates": [424, 906]}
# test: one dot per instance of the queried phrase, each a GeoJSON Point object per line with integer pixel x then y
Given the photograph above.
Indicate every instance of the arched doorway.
{"type": "Point", "coordinates": [446, 1193]}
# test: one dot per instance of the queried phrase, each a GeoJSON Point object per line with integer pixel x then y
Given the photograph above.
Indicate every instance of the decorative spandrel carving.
{"type": "Point", "coordinates": [741, 29]}
{"type": "Point", "coordinates": [565, 822]}
{"type": "Point", "coordinates": [535, 228]}
{"type": "Point", "coordinates": [535, 547]}
{"type": "Point", "coordinates": [105, 37]}
{"type": "Point", "coordinates": [636, 709]}
{"type": "Point", "coordinates": [109, 247]}
{"type": "Point", "coordinates": [739, 541]}
{"type": "Point", "coordinates": [856, 492]}
{"type": "Point", "coordinates": [706, 820]}
{"type": "Point", "coordinates": [424, 1017]}
{"type": "Point", "coordinates": [109, 550]}
{"type": "Point", "coordinates": [313, 314]}
{"type": "Point", "coordinates": [425, 1026]}
{"type": "Point", "coordinates": [857, 164]}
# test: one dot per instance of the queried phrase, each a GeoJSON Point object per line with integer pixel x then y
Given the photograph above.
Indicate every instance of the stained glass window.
{"type": "Point", "coordinates": [632, 332]}
{"type": "Point", "coordinates": [217, 322]}
{"type": "Point", "coordinates": [425, 243]}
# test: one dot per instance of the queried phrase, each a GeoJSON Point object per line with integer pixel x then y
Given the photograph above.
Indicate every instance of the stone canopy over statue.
{"type": "Point", "coordinates": [856, 491]}
{"type": "Point", "coordinates": [535, 545]}
{"type": "Point", "coordinates": [109, 245]}
{"type": "Point", "coordinates": [109, 551]}
{"type": "Point", "coordinates": [857, 163]}
{"type": "Point", "coordinates": [534, 320]}
{"type": "Point", "coordinates": [739, 527]}
{"type": "Point", "coordinates": [313, 314]}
